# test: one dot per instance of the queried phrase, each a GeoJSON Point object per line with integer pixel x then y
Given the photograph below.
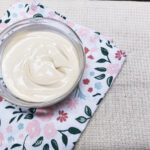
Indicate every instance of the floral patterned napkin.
{"type": "Point", "coordinates": [60, 126]}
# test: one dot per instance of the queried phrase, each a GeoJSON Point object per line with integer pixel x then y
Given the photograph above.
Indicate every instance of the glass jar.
{"type": "Point", "coordinates": [39, 24]}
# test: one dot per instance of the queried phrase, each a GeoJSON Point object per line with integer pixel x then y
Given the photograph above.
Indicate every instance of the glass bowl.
{"type": "Point", "coordinates": [39, 24]}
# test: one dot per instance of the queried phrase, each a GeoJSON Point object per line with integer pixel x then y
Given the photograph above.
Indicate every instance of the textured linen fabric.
{"type": "Point", "coordinates": [122, 120]}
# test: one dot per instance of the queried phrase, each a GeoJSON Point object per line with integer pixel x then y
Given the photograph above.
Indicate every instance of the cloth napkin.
{"type": "Point", "coordinates": [60, 126]}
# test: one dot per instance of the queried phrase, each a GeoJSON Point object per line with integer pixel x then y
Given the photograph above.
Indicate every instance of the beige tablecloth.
{"type": "Point", "coordinates": [122, 120]}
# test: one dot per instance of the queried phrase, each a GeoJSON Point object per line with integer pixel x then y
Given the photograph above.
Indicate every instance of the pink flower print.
{"type": "Point", "coordinates": [90, 57]}
{"type": "Point", "coordinates": [86, 50]}
{"type": "Point", "coordinates": [24, 15]}
{"type": "Point", "coordinates": [51, 14]}
{"type": "Point", "coordinates": [33, 7]}
{"type": "Point", "coordinates": [21, 136]}
{"type": "Point", "coordinates": [90, 90]}
{"type": "Point", "coordinates": [106, 37]}
{"type": "Point", "coordinates": [62, 116]}
{"type": "Point", "coordinates": [86, 66]}
{"type": "Point", "coordinates": [61, 19]}
{"type": "Point", "coordinates": [72, 104]}
{"type": "Point", "coordinates": [86, 81]}
{"type": "Point", "coordinates": [120, 54]}
{"type": "Point", "coordinates": [3, 26]}
{"type": "Point", "coordinates": [9, 129]}
{"type": "Point", "coordinates": [33, 128]}
{"type": "Point", "coordinates": [31, 12]}
{"type": "Point", "coordinates": [70, 24]}
{"type": "Point", "coordinates": [94, 38]}
{"type": "Point", "coordinates": [113, 69]}
{"type": "Point", "coordinates": [45, 114]}
{"type": "Point", "coordinates": [83, 32]}
{"type": "Point", "coordinates": [1, 99]}
{"type": "Point", "coordinates": [16, 1]}
{"type": "Point", "coordinates": [1, 139]}
{"type": "Point", "coordinates": [93, 50]}
{"type": "Point", "coordinates": [50, 131]}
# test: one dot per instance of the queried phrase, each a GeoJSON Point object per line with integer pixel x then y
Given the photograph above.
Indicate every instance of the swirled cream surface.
{"type": "Point", "coordinates": [39, 66]}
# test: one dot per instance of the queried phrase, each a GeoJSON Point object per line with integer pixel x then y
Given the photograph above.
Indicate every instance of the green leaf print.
{"type": "Point", "coordinates": [38, 15]}
{"type": "Point", "coordinates": [54, 144]}
{"type": "Point", "coordinates": [102, 60]}
{"type": "Point", "coordinates": [10, 107]}
{"type": "Point", "coordinates": [81, 119]}
{"type": "Point", "coordinates": [0, 20]}
{"type": "Point", "coordinates": [97, 33]}
{"type": "Point", "coordinates": [88, 111]}
{"type": "Point", "coordinates": [99, 101]}
{"type": "Point", "coordinates": [16, 112]}
{"type": "Point", "coordinates": [40, 6]}
{"type": "Point", "coordinates": [46, 147]}
{"type": "Point", "coordinates": [29, 116]}
{"type": "Point", "coordinates": [64, 139]}
{"type": "Point", "coordinates": [74, 143]}
{"type": "Point", "coordinates": [97, 94]}
{"type": "Point", "coordinates": [24, 148]}
{"type": "Point", "coordinates": [32, 110]}
{"type": "Point", "coordinates": [109, 45]}
{"type": "Point", "coordinates": [26, 5]}
{"type": "Point", "coordinates": [100, 77]}
{"type": "Point", "coordinates": [38, 142]}
{"type": "Point", "coordinates": [15, 145]}
{"type": "Point", "coordinates": [19, 114]}
{"type": "Point", "coordinates": [104, 51]}
{"type": "Point", "coordinates": [8, 13]}
{"type": "Point", "coordinates": [109, 80]}
{"type": "Point", "coordinates": [74, 130]}
{"type": "Point", "coordinates": [57, 13]}
{"type": "Point", "coordinates": [64, 17]}
{"type": "Point", "coordinates": [27, 9]}
{"type": "Point", "coordinates": [12, 119]}
{"type": "Point", "coordinates": [19, 117]}
{"type": "Point", "coordinates": [20, 109]}
{"type": "Point", "coordinates": [102, 69]}
{"type": "Point", "coordinates": [7, 20]}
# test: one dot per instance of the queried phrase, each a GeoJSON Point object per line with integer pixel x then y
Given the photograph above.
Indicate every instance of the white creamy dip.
{"type": "Point", "coordinates": [39, 66]}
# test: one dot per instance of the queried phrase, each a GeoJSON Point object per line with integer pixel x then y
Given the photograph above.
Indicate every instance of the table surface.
{"type": "Point", "coordinates": [122, 120]}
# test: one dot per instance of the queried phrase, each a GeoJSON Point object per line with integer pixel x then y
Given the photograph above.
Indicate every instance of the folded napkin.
{"type": "Point", "coordinates": [60, 126]}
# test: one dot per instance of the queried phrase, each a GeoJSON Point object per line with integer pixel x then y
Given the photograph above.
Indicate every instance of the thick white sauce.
{"type": "Point", "coordinates": [39, 66]}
